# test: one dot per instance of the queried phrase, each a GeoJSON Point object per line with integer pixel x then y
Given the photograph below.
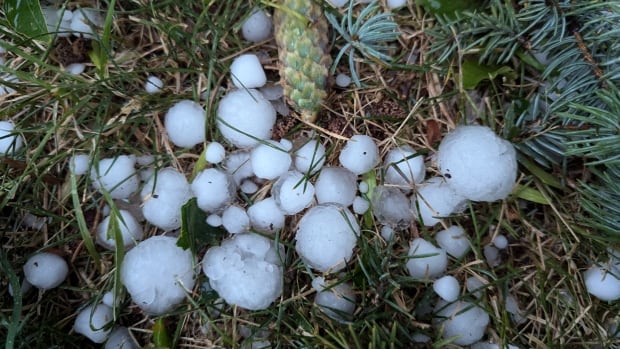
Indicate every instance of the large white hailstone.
{"type": "Point", "coordinates": [120, 338]}
{"type": "Point", "coordinates": [326, 236]}
{"type": "Point", "coordinates": [454, 240]}
{"type": "Point", "coordinates": [266, 216]}
{"type": "Point", "coordinates": [163, 196]}
{"type": "Point", "coordinates": [9, 142]}
{"type": "Point", "coordinates": [247, 72]}
{"type": "Point", "coordinates": [158, 274]}
{"type": "Point", "coordinates": [447, 287]}
{"type": "Point", "coordinates": [337, 185]}
{"type": "Point", "coordinates": [310, 157]}
{"type": "Point", "coordinates": [477, 163]}
{"type": "Point", "coordinates": [391, 207]}
{"type": "Point", "coordinates": [360, 154]}
{"type": "Point", "coordinates": [213, 188]}
{"type": "Point", "coordinates": [246, 270]}
{"type": "Point", "coordinates": [392, 4]}
{"type": "Point", "coordinates": [92, 322]}
{"type": "Point", "coordinates": [153, 84]}
{"type": "Point", "coordinates": [245, 117]}
{"type": "Point", "coordinates": [360, 205]}
{"type": "Point", "coordinates": [403, 167]}
{"type": "Point", "coordinates": [292, 192]}
{"type": "Point", "coordinates": [116, 175]}
{"type": "Point", "coordinates": [258, 27]}
{"type": "Point", "coordinates": [336, 301]}
{"type": "Point", "coordinates": [46, 270]}
{"type": "Point", "coordinates": [464, 322]}
{"type": "Point", "coordinates": [185, 124]}
{"type": "Point", "coordinates": [57, 21]}
{"type": "Point", "coordinates": [434, 199]}
{"type": "Point", "coordinates": [130, 229]}
{"type": "Point", "coordinates": [235, 220]}
{"type": "Point", "coordinates": [426, 260]}
{"type": "Point", "coordinates": [78, 164]}
{"type": "Point", "coordinates": [85, 21]}
{"type": "Point", "coordinates": [248, 187]}
{"type": "Point", "coordinates": [602, 284]}
{"type": "Point", "coordinates": [238, 165]}
{"type": "Point", "coordinates": [215, 153]}
{"type": "Point", "coordinates": [269, 160]}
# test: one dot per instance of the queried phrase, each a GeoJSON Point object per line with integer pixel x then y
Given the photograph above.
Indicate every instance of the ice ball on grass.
{"type": "Point", "coordinates": [245, 117]}
{"type": "Point", "coordinates": [158, 274]}
{"type": "Point", "coordinates": [337, 185]}
{"type": "Point", "coordinates": [85, 21]}
{"type": "Point", "coordinates": [75, 68]}
{"type": "Point", "coordinates": [245, 270]}
{"type": "Point", "coordinates": [391, 207]}
{"type": "Point", "coordinates": [78, 164]}
{"type": "Point", "coordinates": [403, 167]}
{"type": "Point", "coordinates": [360, 154]}
{"type": "Point", "coordinates": [258, 27]}
{"type": "Point", "coordinates": [269, 160]}
{"type": "Point", "coordinates": [475, 286]}
{"type": "Point", "coordinates": [163, 196]}
{"type": "Point", "coordinates": [326, 236]}
{"type": "Point", "coordinates": [478, 164]}
{"type": "Point", "coordinates": [93, 322]}
{"type": "Point", "coordinates": [215, 153]}
{"type": "Point", "coordinates": [292, 192]}
{"type": "Point", "coordinates": [213, 188]}
{"type": "Point", "coordinates": [343, 80]}
{"type": "Point", "coordinates": [454, 240]}
{"type": "Point", "coordinates": [447, 287]}
{"type": "Point", "coordinates": [116, 175]}
{"type": "Point", "coordinates": [46, 270]}
{"type": "Point", "coordinates": [392, 4]}
{"type": "Point", "coordinates": [153, 84]}
{"type": "Point", "coordinates": [464, 322]}
{"type": "Point", "coordinates": [9, 141]}
{"type": "Point", "coordinates": [310, 157]}
{"type": "Point", "coordinates": [129, 228]}
{"type": "Point", "coordinates": [335, 300]}
{"type": "Point", "coordinates": [492, 256]}
{"type": "Point", "coordinates": [247, 72]}
{"type": "Point", "coordinates": [235, 220]}
{"type": "Point", "coordinates": [500, 241]}
{"type": "Point", "coordinates": [238, 165]}
{"type": "Point", "coordinates": [425, 260]}
{"type": "Point", "coordinates": [602, 283]}
{"type": "Point", "coordinates": [434, 200]}
{"type": "Point", "coordinates": [120, 338]}
{"type": "Point", "coordinates": [185, 124]}
{"type": "Point", "coordinates": [266, 216]}
{"type": "Point", "coordinates": [360, 205]}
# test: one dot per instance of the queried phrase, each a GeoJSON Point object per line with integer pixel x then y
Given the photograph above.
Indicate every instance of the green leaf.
{"type": "Point", "coordinates": [530, 194]}
{"type": "Point", "coordinates": [26, 17]}
{"type": "Point", "coordinates": [195, 232]}
{"type": "Point", "coordinates": [541, 174]}
{"type": "Point", "coordinates": [447, 7]}
{"type": "Point", "coordinates": [473, 73]}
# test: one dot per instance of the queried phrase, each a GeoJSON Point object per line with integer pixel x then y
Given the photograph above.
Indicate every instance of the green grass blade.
{"type": "Point", "coordinates": [81, 221]}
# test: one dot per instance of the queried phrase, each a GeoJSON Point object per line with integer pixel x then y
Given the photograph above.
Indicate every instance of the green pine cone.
{"type": "Point", "coordinates": [301, 35]}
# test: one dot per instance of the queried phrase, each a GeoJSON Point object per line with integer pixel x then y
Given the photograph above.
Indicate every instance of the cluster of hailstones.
{"type": "Point", "coordinates": [246, 269]}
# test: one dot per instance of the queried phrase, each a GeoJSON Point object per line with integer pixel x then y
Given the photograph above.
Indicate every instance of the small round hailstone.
{"type": "Point", "coordinates": [130, 229]}
{"type": "Point", "coordinates": [392, 4]}
{"type": "Point", "coordinates": [258, 27]}
{"type": "Point", "coordinates": [153, 84]}
{"type": "Point", "coordinates": [85, 21]}
{"type": "Point", "coordinates": [92, 322]}
{"type": "Point", "coordinates": [158, 274]}
{"type": "Point", "coordinates": [116, 175]}
{"type": "Point", "coordinates": [478, 164]}
{"type": "Point", "coordinates": [245, 117]}
{"type": "Point", "coordinates": [215, 153]}
{"type": "Point", "coordinates": [363, 187]}
{"type": "Point", "coordinates": [602, 284]}
{"type": "Point", "coordinates": [235, 220]}
{"type": "Point", "coordinates": [387, 232]}
{"type": "Point", "coordinates": [214, 220]}
{"type": "Point", "coordinates": [425, 260]}
{"type": "Point", "coordinates": [246, 270]}
{"type": "Point", "coordinates": [360, 205]}
{"type": "Point", "coordinates": [79, 164]}
{"type": "Point", "coordinates": [475, 286]}
{"type": "Point", "coordinates": [336, 301]}
{"type": "Point", "coordinates": [120, 338]}
{"type": "Point", "coordinates": [266, 216]}
{"type": "Point", "coordinates": [447, 287]}
{"type": "Point", "coordinates": [492, 256]}
{"type": "Point", "coordinates": [269, 160]}
{"type": "Point", "coordinates": [391, 207]}
{"type": "Point", "coordinates": [247, 72]}
{"type": "Point", "coordinates": [463, 322]}
{"type": "Point", "coordinates": [10, 143]}
{"type": "Point", "coordinates": [109, 299]}
{"type": "Point", "coordinates": [338, 3]}
{"type": "Point", "coordinates": [360, 154]}
{"type": "Point", "coordinates": [403, 167]}
{"type": "Point", "coordinates": [238, 165]}
{"type": "Point", "coordinates": [248, 187]}
{"type": "Point", "coordinates": [213, 188]}
{"type": "Point", "coordinates": [292, 192]}
{"type": "Point", "coordinates": [512, 308]}
{"type": "Point", "coordinates": [434, 199]}
{"type": "Point", "coordinates": [326, 236]}
{"type": "Point", "coordinates": [185, 124]}
{"type": "Point", "coordinates": [337, 185]}
{"type": "Point", "coordinates": [310, 157]}
{"type": "Point", "coordinates": [46, 270]}
{"type": "Point", "coordinates": [163, 196]}
{"type": "Point", "coordinates": [75, 68]}
{"type": "Point", "coordinates": [500, 241]}
{"type": "Point", "coordinates": [343, 80]}
{"type": "Point", "coordinates": [454, 240]}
